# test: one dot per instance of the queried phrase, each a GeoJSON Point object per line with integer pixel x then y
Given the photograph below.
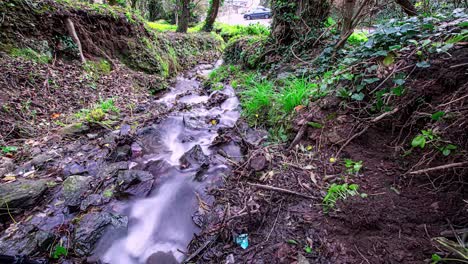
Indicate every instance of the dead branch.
{"type": "Point", "coordinates": [443, 167]}
{"type": "Point", "coordinates": [277, 189]}
{"type": "Point", "coordinates": [72, 32]}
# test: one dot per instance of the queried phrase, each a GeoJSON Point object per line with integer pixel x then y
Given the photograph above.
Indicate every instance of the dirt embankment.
{"type": "Point", "coordinates": [409, 201]}
{"type": "Point", "coordinates": [43, 83]}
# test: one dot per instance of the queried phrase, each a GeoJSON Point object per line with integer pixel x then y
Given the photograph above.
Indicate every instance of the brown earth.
{"type": "Point", "coordinates": [400, 216]}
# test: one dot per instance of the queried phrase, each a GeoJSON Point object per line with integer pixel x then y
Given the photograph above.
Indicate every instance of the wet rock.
{"type": "Point", "coordinates": [258, 162]}
{"type": "Point", "coordinates": [194, 158]}
{"type": "Point", "coordinates": [217, 98]}
{"type": "Point", "coordinates": [93, 199]}
{"type": "Point", "coordinates": [121, 153]}
{"type": "Point", "coordinates": [74, 129]}
{"type": "Point", "coordinates": [91, 228]}
{"type": "Point", "coordinates": [129, 177]}
{"type": "Point", "coordinates": [162, 258]}
{"type": "Point", "coordinates": [194, 122]}
{"type": "Point", "coordinates": [26, 240]}
{"type": "Point", "coordinates": [21, 194]}
{"type": "Point", "coordinates": [255, 137]}
{"type": "Point", "coordinates": [74, 187]}
{"type": "Point", "coordinates": [136, 150]}
{"type": "Point", "coordinates": [6, 166]}
{"type": "Point", "coordinates": [41, 159]}
{"type": "Point", "coordinates": [158, 167]}
{"type": "Point", "coordinates": [110, 170]}
{"type": "Point", "coordinates": [73, 169]}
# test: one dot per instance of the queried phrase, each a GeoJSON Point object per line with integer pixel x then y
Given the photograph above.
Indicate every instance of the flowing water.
{"type": "Point", "coordinates": [161, 225]}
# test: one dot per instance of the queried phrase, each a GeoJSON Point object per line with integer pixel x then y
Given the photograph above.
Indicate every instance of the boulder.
{"type": "Point", "coordinates": [110, 170]}
{"type": "Point", "coordinates": [41, 159]}
{"type": "Point", "coordinates": [217, 98]}
{"type": "Point", "coordinates": [21, 194]}
{"type": "Point", "coordinates": [93, 199]}
{"type": "Point", "coordinates": [74, 187]}
{"type": "Point", "coordinates": [91, 228]}
{"type": "Point", "coordinates": [26, 240]}
{"type": "Point", "coordinates": [194, 158]}
{"type": "Point", "coordinates": [135, 182]}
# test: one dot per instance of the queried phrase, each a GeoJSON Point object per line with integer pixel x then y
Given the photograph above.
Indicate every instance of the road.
{"type": "Point", "coordinates": [238, 19]}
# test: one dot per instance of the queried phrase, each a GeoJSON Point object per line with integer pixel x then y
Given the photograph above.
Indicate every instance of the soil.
{"type": "Point", "coordinates": [399, 217]}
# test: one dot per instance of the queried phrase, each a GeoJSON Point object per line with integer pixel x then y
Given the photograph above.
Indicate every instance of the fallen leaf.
{"type": "Point", "coordinates": [55, 115]}
{"type": "Point", "coordinates": [9, 178]}
{"type": "Point", "coordinates": [299, 108]}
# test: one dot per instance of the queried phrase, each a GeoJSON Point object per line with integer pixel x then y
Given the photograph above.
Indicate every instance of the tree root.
{"type": "Point", "coordinates": [72, 32]}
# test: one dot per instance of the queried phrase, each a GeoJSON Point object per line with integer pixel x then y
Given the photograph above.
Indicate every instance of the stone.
{"type": "Point", "coordinates": [125, 130]}
{"type": "Point", "coordinates": [74, 187]}
{"type": "Point", "coordinates": [91, 228]}
{"type": "Point", "coordinates": [41, 159]}
{"type": "Point", "coordinates": [217, 98]}
{"type": "Point", "coordinates": [26, 240]}
{"type": "Point", "coordinates": [74, 169]}
{"type": "Point", "coordinates": [255, 137]}
{"type": "Point", "coordinates": [93, 199]}
{"type": "Point", "coordinates": [258, 162]}
{"type": "Point", "coordinates": [110, 170]}
{"type": "Point", "coordinates": [21, 194]}
{"type": "Point", "coordinates": [6, 166]}
{"type": "Point", "coordinates": [121, 153]}
{"type": "Point", "coordinates": [135, 182]}
{"type": "Point", "coordinates": [136, 150]}
{"type": "Point", "coordinates": [74, 129]}
{"type": "Point", "coordinates": [194, 158]}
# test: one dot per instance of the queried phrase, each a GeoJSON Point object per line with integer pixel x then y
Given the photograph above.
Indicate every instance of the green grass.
{"type": "Point", "coordinates": [296, 91]}
{"type": "Point", "coordinates": [257, 98]}
{"type": "Point", "coordinates": [162, 26]}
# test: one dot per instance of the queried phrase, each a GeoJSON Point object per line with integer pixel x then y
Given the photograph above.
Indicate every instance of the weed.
{"type": "Point", "coordinates": [339, 192]}
{"type": "Point", "coordinates": [429, 137]}
{"type": "Point", "coordinates": [357, 38]}
{"type": "Point", "coordinates": [58, 252]}
{"type": "Point", "coordinates": [295, 92]}
{"type": "Point", "coordinates": [353, 166]}
{"type": "Point", "coordinates": [257, 99]}
{"type": "Point", "coordinates": [96, 68]}
{"type": "Point", "coordinates": [8, 149]}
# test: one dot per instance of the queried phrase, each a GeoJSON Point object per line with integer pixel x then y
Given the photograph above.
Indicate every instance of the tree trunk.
{"type": "Point", "coordinates": [184, 16]}
{"type": "Point", "coordinates": [310, 17]}
{"type": "Point", "coordinates": [133, 4]}
{"type": "Point", "coordinates": [348, 12]}
{"type": "Point", "coordinates": [74, 36]}
{"type": "Point", "coordinates": [211, 16]}
{"type": "Point", "coordinates": [407, 7]}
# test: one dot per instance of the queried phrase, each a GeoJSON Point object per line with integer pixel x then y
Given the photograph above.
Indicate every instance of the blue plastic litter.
{"type": "Point", "coordinates": [243, 241]}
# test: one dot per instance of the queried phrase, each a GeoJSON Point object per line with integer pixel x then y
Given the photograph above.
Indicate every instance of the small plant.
{"type": "Point", "coordinates": [8, 149]}
{"type": "Point", "coordinates": [59, 251]}
{"type": "Point", "coordinates": [339, 192]}
{"type": "Point", "coordinates": [353, 166]}
{"type": "Point", "coordinates": [429, 137]}
{"type": "Point", "coordinates": [96, 115]}
{"type": "Point", "coordinates": [30, 54]}
{"type": "Point", "coordinates": [357, 38]}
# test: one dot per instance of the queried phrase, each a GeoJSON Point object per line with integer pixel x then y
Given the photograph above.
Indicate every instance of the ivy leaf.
{"type": "Point", "coordinates": [389, 60]}
{"type": "Point", "coordinates": [59, 251]}
{"type": "Point", "coordinates": [398, 91]}
{"type": "Point", "coordinates": [437, 115]}
{"type": "Point", "coordinates": [315, 125]}
{"type": "Point", "coordinates": [358, 96]}
{"type": "Point", "coordinates": [419, 141]}
{"type": "Point", "coordinates": [423, 64]}
{"type": "Point", "coordinates": [371, 80]}
{"type": "Point", "coordinates": [399, 81]}
{"type": "Point", "coordinates": [394, 47]}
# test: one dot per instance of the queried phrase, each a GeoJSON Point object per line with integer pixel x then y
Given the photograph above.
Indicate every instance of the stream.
{"type": "Point", "coordinates": [178, 152]}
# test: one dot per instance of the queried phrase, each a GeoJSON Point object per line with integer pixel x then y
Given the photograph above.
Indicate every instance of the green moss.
{"type": "Point", "coordinates": [30, 54]}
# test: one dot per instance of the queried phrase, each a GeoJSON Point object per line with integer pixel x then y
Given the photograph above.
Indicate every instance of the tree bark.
{"type": "Point", "coordinates": [184, 18]}
{"type": "Point", "coordinates": [310, 17]}
{"type": "Point", "coordinates": [72, 32]}
{"type": "Point", "coordinates": [348, 12]}
{"type": "Point", "coordinates": [407, 7]}
{"type": "Point", "coordinates": [211, 16]}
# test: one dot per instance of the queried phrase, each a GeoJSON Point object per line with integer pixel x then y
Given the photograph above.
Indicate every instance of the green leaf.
{"type": "Point", "coordinates": [437, 115]}
{"type": "Point", "coordinates": [8, 149]}
{"type": "Point", "coordinates": [419, 141]}
{"type": "Point", "coordinates": [358, 96]}
{"type": "Point", "coordinates": [399, 81]}
{"type": "Point", "coordinates": [315, 125]}
{"type": "Point", "coordinates": [398, 91]}
{"type": "Point", "coordinates": [308, 249]}
{"type": "Point", "coordinates": [463, 24]}
{"type": "Point", "coordinates": [389, 60]}
{"type": "Point", "coordinates": [370, 80]}
{"type": "Point", "coordinates": [423, 64]}
{"type": "Point", "coordinates": [394, 47]}
{"type": "Point", "coordinates": [59, 251]}
{"type": "Point", "coordinates": [446, 152]}
{"type": "Point", "coordinates": [435, 258]}
{"type": "Point", "coordinates": [292, 241]}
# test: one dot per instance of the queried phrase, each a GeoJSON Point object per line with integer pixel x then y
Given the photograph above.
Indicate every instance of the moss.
{"type": "Point", "coordinates": [30, 54]}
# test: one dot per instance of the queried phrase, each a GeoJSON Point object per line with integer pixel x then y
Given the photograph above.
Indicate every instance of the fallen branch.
{"type": "Point", "coordinates": [443, 167]}
{"type": "Point", "coordinates": [277, 189]}
{"type": "Point", "coordinates": [72, 32]}
{"type": "Point", "coordinates": [200, 249]}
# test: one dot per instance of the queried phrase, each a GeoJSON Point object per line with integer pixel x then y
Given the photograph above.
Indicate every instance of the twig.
{"type": "Point", "coordinates": [200, 249]}
{"type": "Point", "coordinates": [272, 188]}
{"type": "Point", "coordinates": [443, 167]}
{"type": "Point", "coordinates": [458, 65]}
{"type": "Point", "coordinates": [361, 254]}
{"type": "Point", "coordinates": [276, 219]}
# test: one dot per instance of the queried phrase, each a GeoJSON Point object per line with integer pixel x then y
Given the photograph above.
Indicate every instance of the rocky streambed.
{"type": "Point", "coordinates": [124, 196]}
